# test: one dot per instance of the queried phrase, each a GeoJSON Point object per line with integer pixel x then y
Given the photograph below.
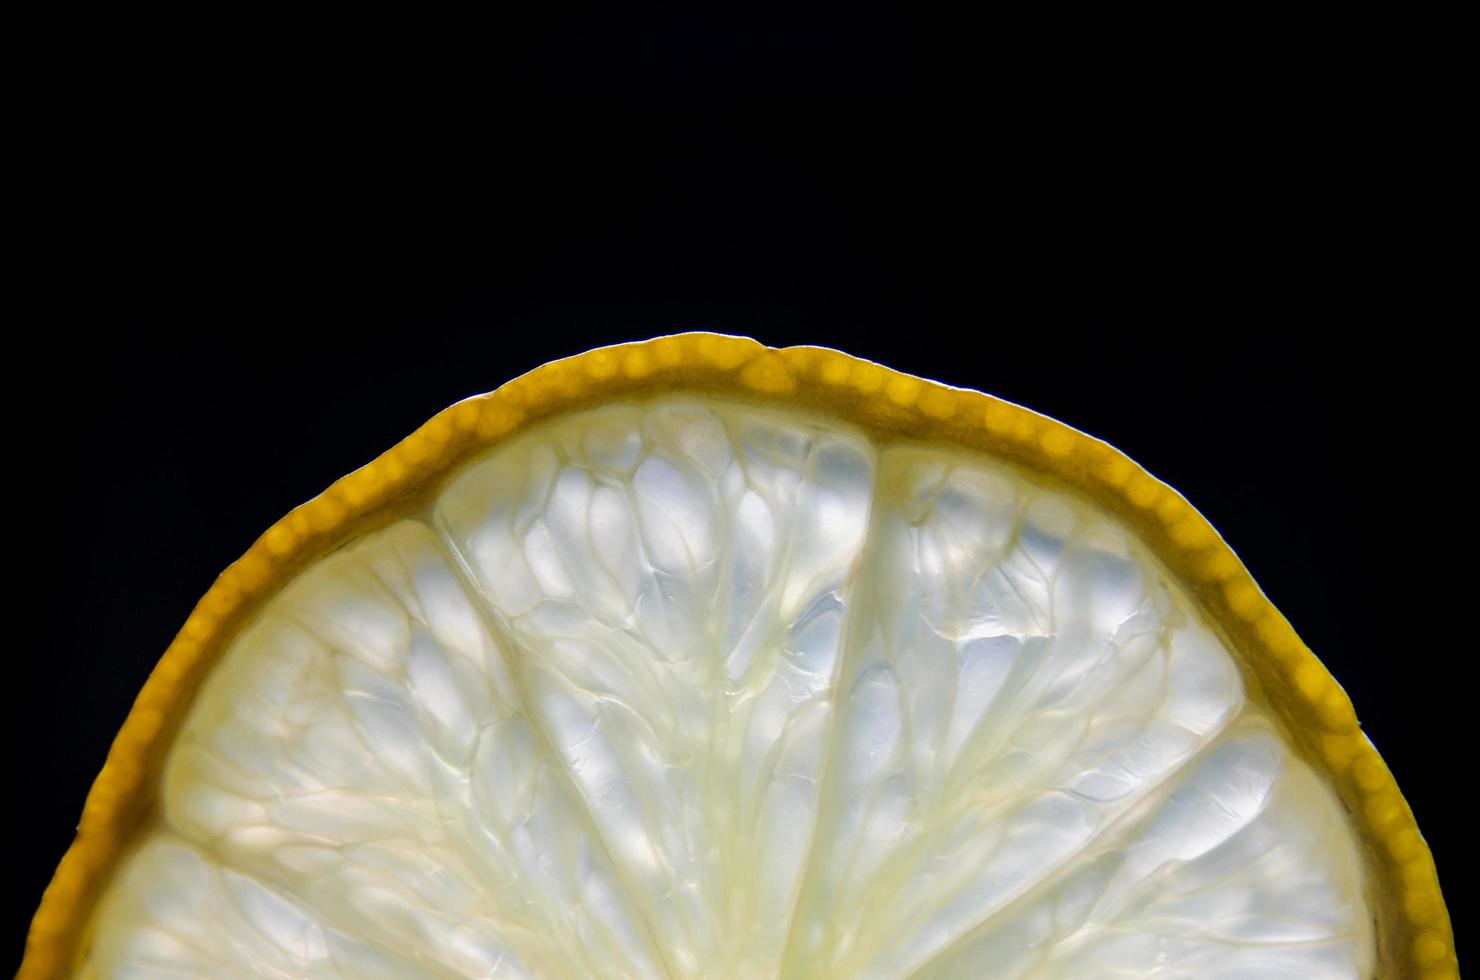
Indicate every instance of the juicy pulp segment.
{"type": "Point", "coordinates": [674, 581]}
{"type": "Point", "coordinates": [1245, 869]}
{"type": "Point", "coordinates": [364, 750]}
{"type": "Point", "coordinates": [705, 689]}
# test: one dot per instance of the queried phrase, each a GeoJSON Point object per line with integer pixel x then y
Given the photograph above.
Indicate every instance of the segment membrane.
{"type": "Point", "coordinates": [689, 688]}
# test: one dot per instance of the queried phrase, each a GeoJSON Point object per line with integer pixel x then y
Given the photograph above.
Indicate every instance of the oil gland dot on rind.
{"type": "Point", "coordinates": [418, 450]}
{"type": "Point", "coordinates": [1419, 905]}
{"type": "Point", "coordinates": [1143, 491]}
{"type": "Point", "coordinates": [1382, 810]}
{"type": "Point", "coordinates": [834, 371]}
{"type": "Point", "coordinates": [938, 403]}
{"type": "Point", "coordinates": [803, 362]}
{"type": "Point", "coordinates": [1244, 599]}
{"type": "Point", "coordinates": [297, 521]}
{"type": "Point", "coordinates": [1057, 442]}
{"type": "Point", "coordinates": [464, 415]}
{"type": "Point", "coordinates": [638, 365]}
{"type": "Point", "coordinates": [1335, 711]}
{"type": "Point", "coordinates": [1404, 845]}
{"type": "Point", "coordinates": [1116, 471]}
{"type": "Point", "coordinates": [437, 432]}
{"type": "Point", "coordinates": [498, 418]}
{"type": "Point", "coordinates": [1340, 750]}
{"type": "Point", "coordinates": [1312, 681]}
{"type": "Point", "coordinates": [1429, 948]}
{"type": "Point", "coordinates": [223, 598]}
{"type": "Point", "coordinates": [903, 391]}
{"type": "Point", "coordinates": [768, 374]}
{"type": "Point", "coordinates": [668, 351]}
{"type": "Point", "coordinates": [1369, 773]}
{"type": "Point", "coordinates": [601, 364]}
{"type": "Point", "coordinates": [725, 353]}
{"type": "Point", "coordinates": [394, 467]}
{"type": "Point", "coordinates": [147, 723]}
{"type": "Point", "coordinates": [1191, 533]}
{"type": "Point", "coordinates": [1221, 566]}
{"type": "Point", "coordinates": [279, 539]}
{"type": "Point", "coordinates": [1275, 633]}
{"type": "Point", "coordinates": [868, 379]}
{"type": "Point", "coordinates": [1172, 509]}
{"type": "Point", "coordinates": [325, 512]}
{"type": "Point", "coordinates": [555, 382]}
{"type": "Point", "coordinates": [199, 626]}
{"type": "Point", "coordinates": [360, 487]}
{"type": "Point", "coordinates": [997, 416]}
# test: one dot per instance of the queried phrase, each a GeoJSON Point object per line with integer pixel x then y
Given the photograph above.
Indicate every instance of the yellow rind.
{"type": "Point", "coordinates": [1415, 939]}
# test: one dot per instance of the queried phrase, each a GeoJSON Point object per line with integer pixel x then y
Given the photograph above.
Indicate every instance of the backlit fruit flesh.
{"type": "Point", "coordinates": [695, 658]}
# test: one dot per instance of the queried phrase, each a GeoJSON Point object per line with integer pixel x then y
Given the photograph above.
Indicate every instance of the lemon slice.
{"type": "Point", "coordinates": [693, 658]}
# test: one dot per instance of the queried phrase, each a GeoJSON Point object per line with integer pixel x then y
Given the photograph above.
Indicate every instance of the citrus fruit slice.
{"type": "Point", "coordinates": [696, 658]}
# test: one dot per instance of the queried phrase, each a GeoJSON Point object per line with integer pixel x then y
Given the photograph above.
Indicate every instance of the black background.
{"type": "Point", "coordinates": [254, 285]}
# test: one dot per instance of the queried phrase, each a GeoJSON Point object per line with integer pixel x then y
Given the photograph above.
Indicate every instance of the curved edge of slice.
{"type": "Point", "coordinates": [1414, 936]}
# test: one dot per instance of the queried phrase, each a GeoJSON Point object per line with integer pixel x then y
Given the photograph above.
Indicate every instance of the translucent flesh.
{"type": "Point", "coordinates": [690, 688]}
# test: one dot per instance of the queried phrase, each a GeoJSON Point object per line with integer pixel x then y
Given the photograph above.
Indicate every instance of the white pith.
{"type": "Point", "coordinates": [690, 688]}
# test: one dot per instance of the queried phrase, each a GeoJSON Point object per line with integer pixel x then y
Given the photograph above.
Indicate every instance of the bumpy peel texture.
{"type": "Point", "coordinates": [692, 688]}
{"type": "Point", "coordinates": [691, 658]}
